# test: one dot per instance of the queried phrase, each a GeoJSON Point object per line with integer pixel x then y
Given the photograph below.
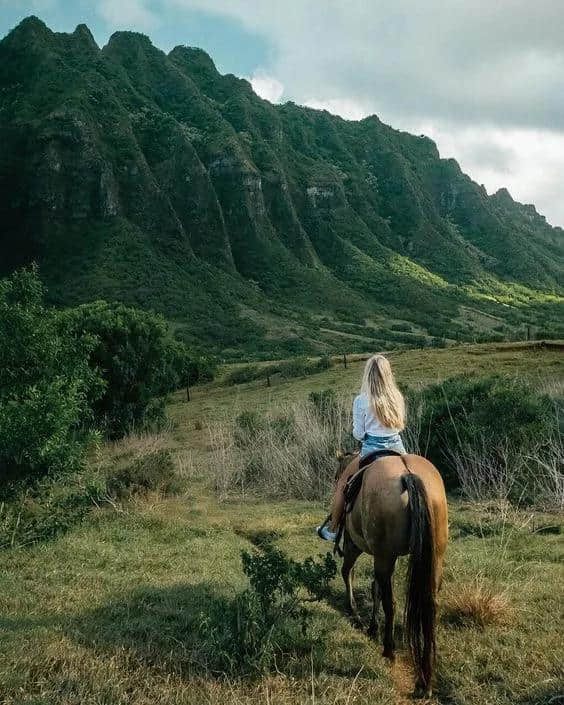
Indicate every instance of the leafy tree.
{"type": "Point", "coordinates": [187, 369]}
{"type": "Point", "coordinates": [133, 354]}
{"type": "Point", "coordinates": [45, 385]}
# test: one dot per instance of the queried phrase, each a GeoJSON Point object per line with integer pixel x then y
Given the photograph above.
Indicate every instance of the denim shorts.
{"type": "Point", "coordinates": [372, 443]}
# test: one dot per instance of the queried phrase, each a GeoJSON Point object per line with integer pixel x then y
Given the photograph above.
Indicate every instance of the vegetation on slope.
{"type": "Point", "coordinates": [148, 178]}
{"type": "Point", "coordinates": [140, 595]}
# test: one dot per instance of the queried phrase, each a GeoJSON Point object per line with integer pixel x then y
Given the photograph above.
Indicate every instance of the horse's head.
{"type": "Point", "coordinates": [344, 457]}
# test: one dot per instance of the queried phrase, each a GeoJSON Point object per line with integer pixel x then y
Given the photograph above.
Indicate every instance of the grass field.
{"type": "Point", "coordinates": [122, 608]}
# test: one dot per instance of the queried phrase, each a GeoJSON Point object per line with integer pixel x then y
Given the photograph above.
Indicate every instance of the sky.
{"type": "Point", "coordinates": [484, 79]}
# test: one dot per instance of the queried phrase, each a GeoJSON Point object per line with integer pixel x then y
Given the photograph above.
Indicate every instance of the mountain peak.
{"type": "Point", "coordinates": [196, 58]}
{"type": "Point", "coordinates": [125, 38]}
{"type": "Point", "coordinates": [85, 35]}
{"type": "Point", "coordinates": [28, 30]}
{"type": "Point", "coordinates": [503, 195]}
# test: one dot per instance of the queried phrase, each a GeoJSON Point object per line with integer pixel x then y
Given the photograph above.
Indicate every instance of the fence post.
{"type": "Point", "coordinates": [345, 360]}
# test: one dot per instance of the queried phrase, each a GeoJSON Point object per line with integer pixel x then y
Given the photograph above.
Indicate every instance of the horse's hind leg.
{"type": "Point", "coordinates": [383, 574]}
{"type": "Point", "coordinates": [351, 553]}
{"type": "Point", "coordinates": [373, 628]}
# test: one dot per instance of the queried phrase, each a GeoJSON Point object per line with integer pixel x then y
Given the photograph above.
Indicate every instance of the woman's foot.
{"type": "Point", "coordinates": [324, 533]}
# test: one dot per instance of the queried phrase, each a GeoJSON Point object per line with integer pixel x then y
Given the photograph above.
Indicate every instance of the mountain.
{"type": "Point", "coordinates": [255, 228]}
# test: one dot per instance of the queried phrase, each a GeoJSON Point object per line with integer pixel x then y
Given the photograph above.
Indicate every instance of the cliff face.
{"type": "Point", "coordinates": [152, 178]}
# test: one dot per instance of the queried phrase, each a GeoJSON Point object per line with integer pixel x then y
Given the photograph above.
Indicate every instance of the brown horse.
{"type": "Point", "coordinates": [401, 509]}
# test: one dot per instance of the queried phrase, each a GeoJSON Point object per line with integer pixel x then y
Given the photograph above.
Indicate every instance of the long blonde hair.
{"type": "Point", "coordinates": [380, 388]}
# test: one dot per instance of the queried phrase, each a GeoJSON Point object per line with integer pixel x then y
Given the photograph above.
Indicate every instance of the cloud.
{"type": "Point", "coordinates": [128, 14]}
{"type": "Point", "coordinates": [348, 109]}
{"type": "Point", "coordinates": [500, 63]}
{"type": "Point", "coordinates": [268, 87]}
{"type": "Point", "coordinates": [486, 80]}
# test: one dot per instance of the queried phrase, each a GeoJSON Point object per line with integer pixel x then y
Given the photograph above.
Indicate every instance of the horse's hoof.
{"type": "Point", "coordinates": [372, 632]}
{"type": "Point", "coordinates": [389, 654]}
{"type": "Point", "coordinates": [421, 691]}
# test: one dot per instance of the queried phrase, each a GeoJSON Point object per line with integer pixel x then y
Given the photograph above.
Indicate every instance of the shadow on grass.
{"type": "Point", "coordinates": [188, 630]}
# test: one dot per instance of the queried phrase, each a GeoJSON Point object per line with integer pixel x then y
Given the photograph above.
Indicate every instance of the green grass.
{"type": "Point", "coordinates": [111, 612]}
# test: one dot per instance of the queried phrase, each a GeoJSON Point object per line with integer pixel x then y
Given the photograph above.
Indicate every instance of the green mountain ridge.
{"type": "Point", "coordinates": [255, 228]}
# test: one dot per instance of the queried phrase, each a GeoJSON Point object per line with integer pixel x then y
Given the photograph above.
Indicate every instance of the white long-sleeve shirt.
{"type": "Point", "coordinates": [364, 421]}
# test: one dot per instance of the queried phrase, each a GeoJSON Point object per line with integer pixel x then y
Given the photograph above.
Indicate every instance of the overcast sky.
{"type": "Point", "coordinates": [484, 79]}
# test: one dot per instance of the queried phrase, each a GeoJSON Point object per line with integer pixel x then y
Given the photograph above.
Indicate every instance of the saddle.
{"type": "Point", "coordinates": [352, 488]}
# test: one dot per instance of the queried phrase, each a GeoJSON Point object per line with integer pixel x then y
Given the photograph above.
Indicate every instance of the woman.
{"type": "Point", "coordinates": [378, 418]}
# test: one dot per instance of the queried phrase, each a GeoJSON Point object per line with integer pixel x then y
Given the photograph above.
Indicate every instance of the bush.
{"type": "Point", "coordinates": [136, 465]}
{"type": "Point", "coordinates": [154, 471]}
{"type": "Point", "coordinates": [134, 355]}
{"type": "Point", "coordinates": [486, 425]}
{"type": "Point", "coordinates": [45, 384]}
{"type": "Point", "coordinates": [288, 369]}
{"type": "Point", "coordinates": [268, 619]}
{"type": "Point", "coordinates": [53, 506]}
{"type": "Point", "coordinates": [243, 374]}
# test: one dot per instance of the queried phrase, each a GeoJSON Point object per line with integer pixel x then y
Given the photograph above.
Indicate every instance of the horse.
{"type": "Point", "coordinates": [401, 509]}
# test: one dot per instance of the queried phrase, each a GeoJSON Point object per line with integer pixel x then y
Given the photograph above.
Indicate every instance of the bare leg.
{"type": "Point", "coordinates": [351, 553]}
{"type": "Point", "coordinates": [339, 498]}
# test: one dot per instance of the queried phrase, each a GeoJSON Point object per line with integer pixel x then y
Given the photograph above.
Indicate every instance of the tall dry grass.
{"type": "Point", "coordinates": [289, 453]}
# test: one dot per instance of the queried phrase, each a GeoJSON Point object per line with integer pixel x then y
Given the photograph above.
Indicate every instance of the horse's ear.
{"type": "Point", "coordinates": [339, 455]}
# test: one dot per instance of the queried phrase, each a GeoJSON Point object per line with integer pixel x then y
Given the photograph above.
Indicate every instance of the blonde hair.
{"type": "Point", "coordinates": [380, 388]}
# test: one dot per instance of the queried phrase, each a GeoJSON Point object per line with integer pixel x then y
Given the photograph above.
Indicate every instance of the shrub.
{"type": "Point", "coordinates": [133, 355]}
{"type": "Point", "coordinates": [154, 471]}
{"type": "Point", "coordinates": [45, 383]}
{"type": "Point", "coordinates": [243, 374]}
{"type": "Point", "coordinates": [474, 427]}
{"type": "Point", "coordinates": [268, 619]}
{"type": "Point", "coordinates": [288, 369]}
{"type": "Point", "coordinates": [53, 506]}
{"type": "Point", "coordinates": [135, 465]}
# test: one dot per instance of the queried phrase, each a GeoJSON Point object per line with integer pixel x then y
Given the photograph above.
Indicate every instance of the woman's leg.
{"type": "Point", "coordinates": [339, 498]}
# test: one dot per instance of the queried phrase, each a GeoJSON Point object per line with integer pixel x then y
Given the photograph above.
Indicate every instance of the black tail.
{"type": "Point", "coordinates": [420, 607]}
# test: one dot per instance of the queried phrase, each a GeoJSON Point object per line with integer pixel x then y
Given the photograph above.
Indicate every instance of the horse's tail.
{"type": "Point", "coordinates": [420, 606]}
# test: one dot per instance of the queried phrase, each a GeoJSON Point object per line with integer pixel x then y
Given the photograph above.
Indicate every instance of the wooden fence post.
{"type": "Point", "coordinates": [345, 360]}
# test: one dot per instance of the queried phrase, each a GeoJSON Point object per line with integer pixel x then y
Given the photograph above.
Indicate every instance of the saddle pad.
{"type": "Point", "coordinates": [376, 455]}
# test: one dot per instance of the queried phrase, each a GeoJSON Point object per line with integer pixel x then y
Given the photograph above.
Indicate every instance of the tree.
{"type": "Point", "coordinates": [132, 354]}
{"type": "Point", "coordinates": [45, 385]}
{"type": "Point", "coordinates": [188, 369]}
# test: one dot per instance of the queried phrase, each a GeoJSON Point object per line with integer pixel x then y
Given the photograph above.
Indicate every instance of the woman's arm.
{"type": "Point", "coordinates": [359, 418]}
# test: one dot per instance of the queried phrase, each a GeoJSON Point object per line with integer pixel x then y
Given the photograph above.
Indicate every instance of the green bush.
{"type": "Point", "coordinates": [268, 619]}
{"type": "Point", "coordinates": [288, 369]}
{"type": "Point", "coordinates": [133, 356]}
{"type": "Point", "coordinates": [464, 414]}
{"type": "Point", "coordinates": [154, 471]}
{"type": "Point", "coordinates": [247, 373]}
{"type": "Point", "coordinates": [45, 385]}
{"type": "Point", "coordinates": [53, 506]}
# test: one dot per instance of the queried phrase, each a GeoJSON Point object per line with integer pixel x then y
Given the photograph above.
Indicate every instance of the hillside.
{"type": "Point", "coordinates": [128, 605]}
{"type": "Point", "coordinates": [257, 229]}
